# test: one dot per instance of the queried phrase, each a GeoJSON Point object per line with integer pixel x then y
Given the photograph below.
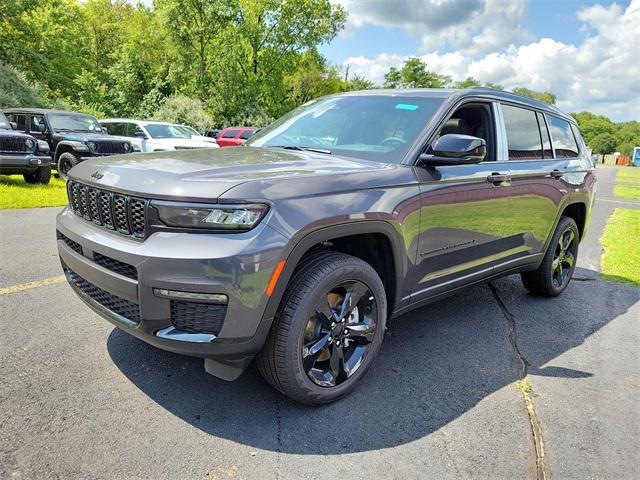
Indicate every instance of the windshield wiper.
{"type": "Point", "coordinates": [302, 149]}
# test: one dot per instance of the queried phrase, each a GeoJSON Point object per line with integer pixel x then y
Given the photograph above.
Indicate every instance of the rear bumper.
{"type": "Point", "coordinates": [236, 265]}
{"type": "Point", "coordinates": [23, 163]}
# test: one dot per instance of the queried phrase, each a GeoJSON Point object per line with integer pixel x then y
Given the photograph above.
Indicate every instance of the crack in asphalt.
{"type": "Point", "coordinates": [524, 387]}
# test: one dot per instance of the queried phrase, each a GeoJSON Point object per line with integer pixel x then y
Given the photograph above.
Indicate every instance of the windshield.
{"type": "Point", "coordinates": [373, 127]}
{"type": "Point", "coordinates": [4, 123]}
{"type": "Point", "coordinates": [165, 130]}
{"type": "Point", "coordinates": [188, 130]}
{"type": "Point", "coordinates": [75, 122]}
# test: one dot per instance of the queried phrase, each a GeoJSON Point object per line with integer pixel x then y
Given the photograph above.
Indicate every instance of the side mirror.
{"type": "Point", "coordinates": [140, 134]}
{"type": "Point", "coordinates": [105, 130]}
{"type": "Point", "coordinates": [455, 149]}
{"type": "Point", "coordinates": [13, 125]}
{"type": "Point", "coordinates": [42, 128]}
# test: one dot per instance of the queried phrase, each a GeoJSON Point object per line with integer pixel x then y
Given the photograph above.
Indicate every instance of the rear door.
{"type": "Point", "coordinates": [226, 138]}
{"type": "Point", "coordinates": [537, 176]}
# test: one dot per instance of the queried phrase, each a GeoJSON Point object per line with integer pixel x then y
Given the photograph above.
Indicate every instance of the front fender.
{"type": "Point", "coordinates": [70, 145]}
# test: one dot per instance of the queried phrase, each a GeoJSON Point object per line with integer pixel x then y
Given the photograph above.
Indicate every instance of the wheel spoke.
{"type": "Point", "coordinates": [325, 313]}
{"type": "Point", "coordinates": [337, 363]}
{"type": "Point", "coordinates": [567, 238]}
{"type": "Point", "coordinates": [346, 306]}
{"type": "Point", "coordinates": [313, 351]}
{"type": "Point", "coordinates": [569, 259]}
{"type": "Point", "coordinates": [363, 330]}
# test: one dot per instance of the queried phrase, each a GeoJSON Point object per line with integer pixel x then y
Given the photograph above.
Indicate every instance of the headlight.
{"type": "Point", "coordinates": [127, 147]}
{"type": "Point", "coordinates": [43, 147]}
{"type": "Point", "coordinates": [219, 217]}
{"type": "Point", "coordinates": [29, 143]}
{"type": "Point", "coordinates": [91, 146]}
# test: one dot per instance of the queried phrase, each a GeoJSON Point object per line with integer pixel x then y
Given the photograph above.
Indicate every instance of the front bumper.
{"type": "Point", "coordinates": [23, 163]}
{"type": "Point", "coordinates": [236, 265]}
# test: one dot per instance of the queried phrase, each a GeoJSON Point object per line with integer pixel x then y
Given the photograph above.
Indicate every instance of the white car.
{"type": "Point", "coordinates": [149, 136]}
{"type": "Point", "coordinates": [195, 135]}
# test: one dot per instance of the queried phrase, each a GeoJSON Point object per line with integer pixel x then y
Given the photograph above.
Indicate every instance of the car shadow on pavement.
{"type": "Point", "coordinates": [436, 364]}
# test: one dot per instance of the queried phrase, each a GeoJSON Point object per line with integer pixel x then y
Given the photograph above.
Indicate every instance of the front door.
{"type": "Point", "coordinates": [465, 218]}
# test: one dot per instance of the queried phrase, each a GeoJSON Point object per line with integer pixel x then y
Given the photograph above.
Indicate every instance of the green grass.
{"type": "Point", "coordinates": [16, 193]}
{"type": "Point", "coordinates": [628, 174]}
{"type": "Point", "coordinates": [627, 191]}
{"type": "Point", "coordinates": [621, 243]}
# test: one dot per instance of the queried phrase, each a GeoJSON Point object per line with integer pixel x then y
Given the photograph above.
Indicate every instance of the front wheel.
{"type": "Point", "coordinates": [556, 269]}
{"type": "Point", "coordinates": [42, 175]}
{"type": "Point", "coordinates": [66, 162]}
{"type": "Point", "coordinates": [327, 331]}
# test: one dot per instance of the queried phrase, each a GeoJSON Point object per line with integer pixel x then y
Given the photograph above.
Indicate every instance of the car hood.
{"type": "Point", "coordinates": [13, 134]}
{"type": "Point", "coordinates": [181, 142]}
{"type": "Point", "coordinates": [207, 174]}
{"type": "Point", "coordinates": [88, 137]}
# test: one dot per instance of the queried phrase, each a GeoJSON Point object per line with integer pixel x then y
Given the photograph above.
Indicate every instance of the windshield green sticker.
{"type": "Point", "coordinates": [406, 106]}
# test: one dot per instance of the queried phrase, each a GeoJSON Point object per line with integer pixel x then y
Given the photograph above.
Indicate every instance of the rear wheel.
{"type": "Point", "coordinates": [328, 329]}
{"type": "Point", "coordinates": [66, 162]}
{"type": "Point", "coordinates": [556, 269]}
{"type": "Point", "coordinates": [41, 175]}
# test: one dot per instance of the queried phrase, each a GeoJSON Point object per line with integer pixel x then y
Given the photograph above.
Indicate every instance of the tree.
{"type": "Point", "coordinates": [358, 82]}
{"type": "Point", "coordinates": [194, 25]}
{"type": "Point", "coordinates": [603, 143]}
{"type": "Point", "coordinates": [467, 82]}
{"type": "Point", "coordinates": [414, 74]}
{"type": "Point", "coordinates": [545, 97]}
{"type": "Point", "coordinates": [184, 110]}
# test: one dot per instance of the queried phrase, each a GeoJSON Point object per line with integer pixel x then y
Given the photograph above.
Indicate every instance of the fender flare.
{"type": "Point", "coordinates": [69, 144]}
{"type": "Point", "coordinates": [298, 248]}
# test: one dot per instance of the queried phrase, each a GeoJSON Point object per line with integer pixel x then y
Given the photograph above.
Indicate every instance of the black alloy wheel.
{"type": "Point", "coordinates": [564, 258]}
{"type": "Point", "coordinates": [338, 335]}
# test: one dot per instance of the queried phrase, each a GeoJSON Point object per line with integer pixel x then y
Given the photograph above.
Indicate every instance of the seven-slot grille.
{"type": "Point", "coordinates": [110, 148]}
{"type": "Point", "coordinates": [13, 144]}
{"type": "Point", "coordinates": [113, 211]}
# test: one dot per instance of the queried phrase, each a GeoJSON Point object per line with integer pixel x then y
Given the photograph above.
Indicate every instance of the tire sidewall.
{"type": "Point", "coordinates": [66, 157]}
{"type": "Point", "coordinates": [360, 271]}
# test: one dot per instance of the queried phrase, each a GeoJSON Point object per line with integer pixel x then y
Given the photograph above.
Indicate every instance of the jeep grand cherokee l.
{"type": "Point", "coordinates": [21, 154]}
{"type": "Point", "coordinates": [72, 137]}
{"type": "Point", "coordinates": [296, 249]}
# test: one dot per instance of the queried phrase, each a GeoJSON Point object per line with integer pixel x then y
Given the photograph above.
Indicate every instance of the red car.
{"type": "Point", "coordinates": [234, 136]}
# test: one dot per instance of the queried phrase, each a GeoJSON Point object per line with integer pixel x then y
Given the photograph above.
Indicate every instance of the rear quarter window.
{"type": "Point", "coordinates": [564, 142]}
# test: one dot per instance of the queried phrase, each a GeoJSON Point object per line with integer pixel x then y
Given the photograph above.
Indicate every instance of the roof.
{"type": "Point", "coordinates": [39, 111]}
{"type": "Point", "coordinates": [144, 122]}
{"type": "Point", "coordinates": [464, 92]}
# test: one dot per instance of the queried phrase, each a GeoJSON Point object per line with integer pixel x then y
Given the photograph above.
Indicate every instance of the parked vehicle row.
{"type": "Point", "coordinates": [354, 208]}
{"type": "Point", "coordinates": [33, 141]}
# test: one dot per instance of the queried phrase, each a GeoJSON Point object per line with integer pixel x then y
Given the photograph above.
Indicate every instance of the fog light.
{"type": "Point", "coordinates": [192, 296]}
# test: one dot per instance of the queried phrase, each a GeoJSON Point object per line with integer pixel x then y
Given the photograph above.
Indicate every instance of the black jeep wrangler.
{"type": "Point", "coordinates": [21, 154]}
{"type": "Point", "coordinates": [72, 137]}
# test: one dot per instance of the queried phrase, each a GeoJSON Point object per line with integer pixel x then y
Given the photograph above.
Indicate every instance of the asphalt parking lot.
{"type": "Point", "coordinates": [80, 399]}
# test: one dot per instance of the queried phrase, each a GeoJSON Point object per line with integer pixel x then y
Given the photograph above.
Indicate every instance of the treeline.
{"type": "Point", "coordinates": [201, 62]}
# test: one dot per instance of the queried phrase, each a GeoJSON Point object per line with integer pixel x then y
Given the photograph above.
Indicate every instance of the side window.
{"type": "Point", "coordinates": [136, 131]}
{"type": "Point", "coordinates": [475, 120]}
{"type": "Point", "coordinates": [230, 134]}
{"type": "Point", "coordinates": [523, 134]}
{"type": "Point", "coordinates": [547, 152]}
{"type": "Point", "coordinates": [116, 128]}
{"type": "Point", "coordinates": [563, 140]}
{"type": "Point", "coordinates": [37, 124]}
{"type": "Point", "coordinates": [246, 135]}
{"type": "Point", "coordinates": [21, 122]}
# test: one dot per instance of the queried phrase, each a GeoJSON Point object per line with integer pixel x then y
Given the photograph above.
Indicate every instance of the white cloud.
{"type": "Point", "coordinates": [470, 26]}
{"type": "Point", "coordinates": [601, 74]}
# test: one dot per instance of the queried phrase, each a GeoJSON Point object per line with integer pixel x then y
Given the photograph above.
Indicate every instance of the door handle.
{"type": "Point", "coordinates": [497, 178]}
{"type": "Point", "coordinates": [555, 173]}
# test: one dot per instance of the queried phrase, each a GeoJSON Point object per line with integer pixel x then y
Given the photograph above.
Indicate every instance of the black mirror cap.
{"type": "Point", "coordinates": [141, 134]}
{"type": "Point", "coordinates": [456, 149]}
{"type": "Point", "coordinates": [13, 125]}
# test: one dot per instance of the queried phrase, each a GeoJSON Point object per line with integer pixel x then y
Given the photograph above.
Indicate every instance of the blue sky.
{"type": "Point", "coordinates": [545, 18]}
{"type": "Point", "coordinates": [586, 52]}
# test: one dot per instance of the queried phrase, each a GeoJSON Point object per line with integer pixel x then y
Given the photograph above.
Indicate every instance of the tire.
{"type": "Point", "coordinates": [555, 272]}
{"type": "Point", "coordinates": [42, 175]}
{"type": "Point", "coordinates": [285, 358]}
{"type": "Point", "coordinates": [66, 162]}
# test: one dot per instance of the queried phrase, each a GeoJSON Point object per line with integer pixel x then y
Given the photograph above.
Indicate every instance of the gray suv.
{"type": "Point", "coordinates": [297, 248]}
